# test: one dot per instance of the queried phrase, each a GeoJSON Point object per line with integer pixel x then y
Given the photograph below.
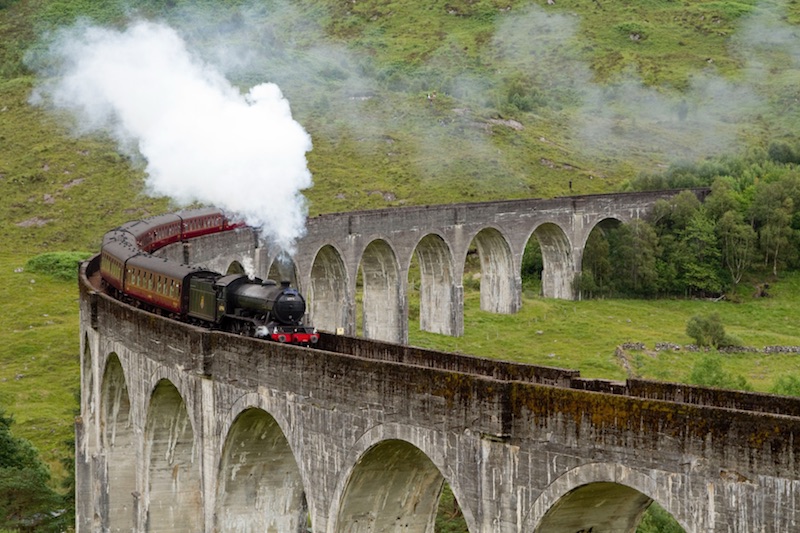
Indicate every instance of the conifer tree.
{"type": "Point", "coordinates": [27, 503]}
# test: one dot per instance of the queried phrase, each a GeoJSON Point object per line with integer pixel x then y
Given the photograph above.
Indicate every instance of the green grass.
{"type": "Point", "coordinates": [39, 369]}
{"type": "Point", "coordinates": [584, 335]}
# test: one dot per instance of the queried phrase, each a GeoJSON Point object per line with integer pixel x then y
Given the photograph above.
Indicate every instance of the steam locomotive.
{"type": "Point", "coordinates": [234, 302]}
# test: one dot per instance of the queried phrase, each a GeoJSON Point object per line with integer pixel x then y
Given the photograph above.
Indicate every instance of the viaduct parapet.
{"type": "Point", "coordinates": [379, 247]}
{"type": "Point", "coordinates": [184, 430]}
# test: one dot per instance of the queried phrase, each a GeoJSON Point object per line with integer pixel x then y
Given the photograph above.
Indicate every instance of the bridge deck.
{"type": "Point", "coordinates": [510, 371]}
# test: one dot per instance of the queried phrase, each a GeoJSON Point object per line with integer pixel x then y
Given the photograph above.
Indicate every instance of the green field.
{"type": "Point", "coordinates": [530, 100]}
{"type": "Point", "coordinates": [584, 335]}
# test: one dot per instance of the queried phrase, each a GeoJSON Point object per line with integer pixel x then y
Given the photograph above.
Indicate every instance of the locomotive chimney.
{"type": "Point", "coordinates": [285, 283]}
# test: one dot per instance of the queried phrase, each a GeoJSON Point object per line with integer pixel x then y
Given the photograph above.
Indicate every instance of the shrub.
{"type": "Point", "coordinates": [521, 94]}
{"type": "Point", "coordinates": [787, 386]}
{"type": "Point", "coordinates": [709, 331]}
{"type": "Point", "coordinates": [635, 31]}
{"type": "Point", "coordinates": [708, 372]}
{"type": "Point", "coordinates": [60, 265]}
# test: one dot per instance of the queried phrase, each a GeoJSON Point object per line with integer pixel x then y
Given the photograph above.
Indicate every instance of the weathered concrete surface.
{"type": "Point", "coordinates": [382, 244]}
{"type": "Point", "coordinates": [183, 429]}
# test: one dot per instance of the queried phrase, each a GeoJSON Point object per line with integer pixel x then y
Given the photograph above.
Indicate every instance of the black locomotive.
{"type": "Point", "coordinates": [235, 303]}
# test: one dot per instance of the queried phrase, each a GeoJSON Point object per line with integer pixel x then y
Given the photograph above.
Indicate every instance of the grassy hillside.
{"type": "Point", "coordinates": [529, 96]}
{"type": "Point", "coordinates": [413, 103]}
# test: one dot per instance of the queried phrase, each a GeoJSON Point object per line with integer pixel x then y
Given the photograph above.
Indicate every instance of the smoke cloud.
{"type": "Point", "coordinates": [203, 140]}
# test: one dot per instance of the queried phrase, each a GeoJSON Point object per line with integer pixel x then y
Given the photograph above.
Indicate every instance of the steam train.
{"type": "Point", "coordinates": [234, 302]}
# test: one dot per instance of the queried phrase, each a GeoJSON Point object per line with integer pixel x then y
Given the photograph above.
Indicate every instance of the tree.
{"type": "Point", "coordinates": [633, 256]}
{"type": "Point", "coordinates": [737, 241]}
{"type": "Point", "coordinates": [668, 262]}
{"type": "Point", "coordinates": [772, 211]}
{"type": "Point", "coordinates": [706, 330]}
{"type": "Point", "coordinates": [584, 284]}
{"type": "Point", "coordinates": [702, 256]}
{"type": "Point", "coordinates": [723, 198]}
{"type": "Point", "coordinates": [27, 503]}
{"type": "Point", "coordinates": [775, 238]}
{"type": "Point", "coordinates": [595, 276]}
{"type": "Point", "coordinates": [670, 220]}
{"type": "Point", "coordinates": [782, 152]}
{"type": "Point", "coordinates": [532, 262]}
{"type": "Point", "coordinates": [673, 215]}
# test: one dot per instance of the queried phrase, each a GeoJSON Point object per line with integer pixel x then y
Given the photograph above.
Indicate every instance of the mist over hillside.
{"type": "Point", "coordinates": [464, 100]}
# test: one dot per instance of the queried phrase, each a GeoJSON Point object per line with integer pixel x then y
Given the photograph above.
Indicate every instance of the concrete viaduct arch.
{"type": "Point", "coordinates": [622, 495]}
{"type": "Point", "coordinates": [381, 244]}
{"type": "Point", "coordinates": [185, 429]}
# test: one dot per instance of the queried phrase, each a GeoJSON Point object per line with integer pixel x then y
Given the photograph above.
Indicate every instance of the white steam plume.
{"type": "Point", "coordinates": [203, 140]}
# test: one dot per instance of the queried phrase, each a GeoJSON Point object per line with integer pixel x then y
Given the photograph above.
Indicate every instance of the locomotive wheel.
{"type": "Point", "coordinates": [241, 327]}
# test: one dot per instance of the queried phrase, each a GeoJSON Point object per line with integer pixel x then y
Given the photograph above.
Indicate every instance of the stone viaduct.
{"type": "Point", "coordinates": [382, 244]}
{"type": "Point", "coordinates": [189, 430]}
{"type": "Point", "coordinates": [185, 430]}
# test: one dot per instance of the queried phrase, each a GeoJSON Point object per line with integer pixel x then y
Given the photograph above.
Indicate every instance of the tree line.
{"type": "Point", "coordinates": [748, 228]}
